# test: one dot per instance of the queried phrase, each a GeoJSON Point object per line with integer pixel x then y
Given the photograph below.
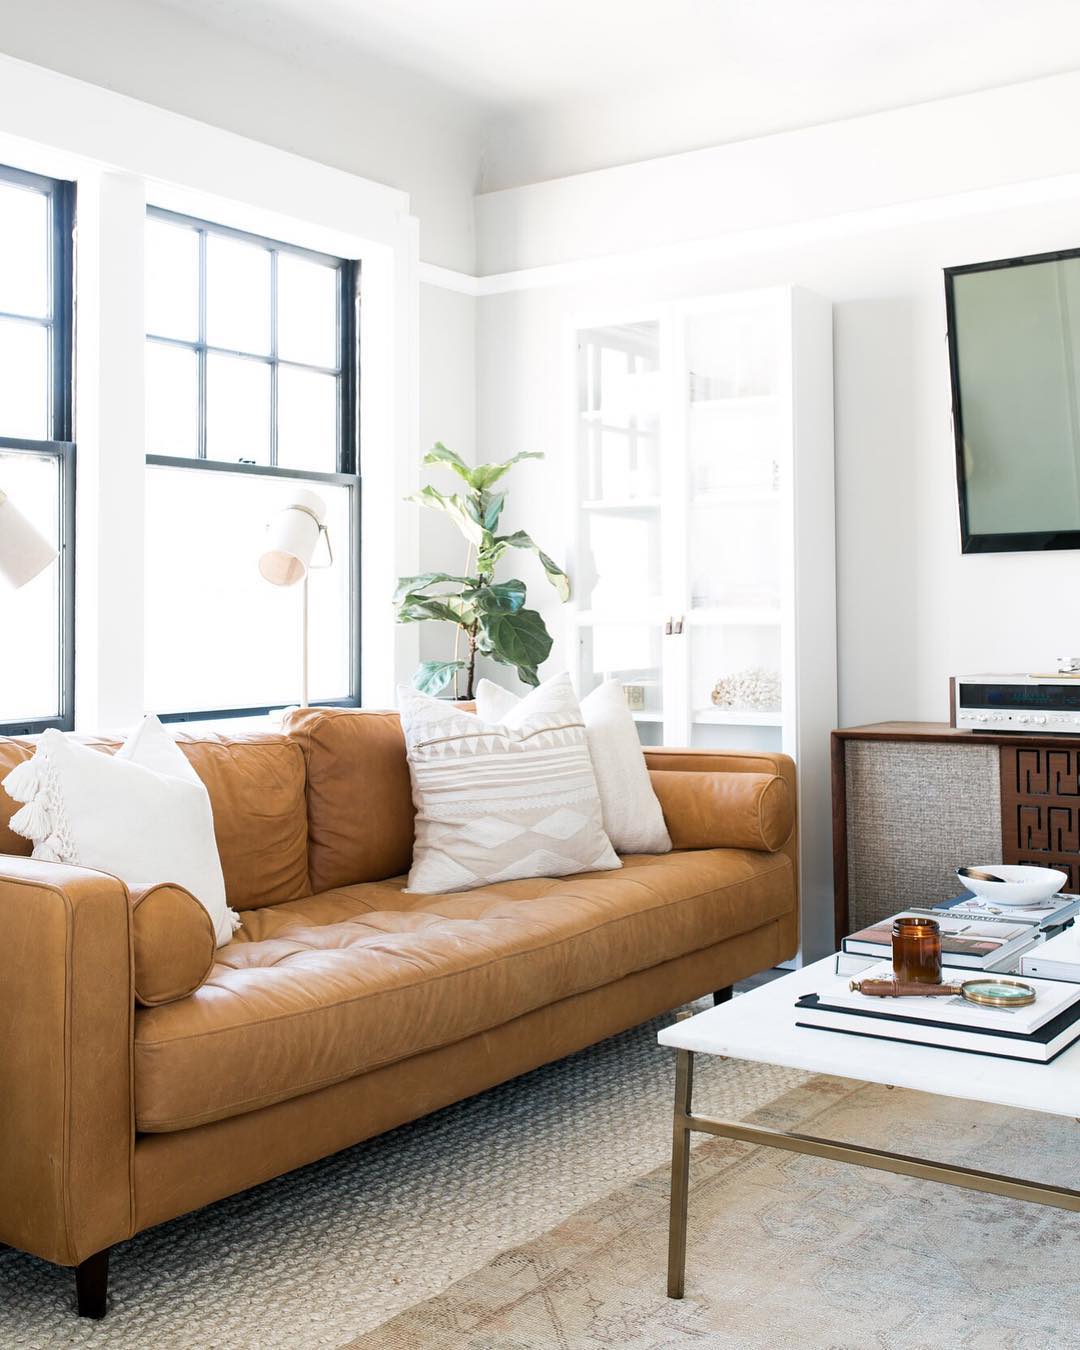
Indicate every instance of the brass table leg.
{"type": "Point", "coordinates": [680, 1172]}
{"type": "Point", "coordinates": [684, 1122]}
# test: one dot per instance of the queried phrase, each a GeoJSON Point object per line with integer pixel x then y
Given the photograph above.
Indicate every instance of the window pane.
{"type": "Point", "coordinates": [172, 400]}
{"type": "Point", "coordinates": [217, 634]}
{"type": "Point", "coordinates": [30, 671]}
{"type": "Point", "coordinates": [24, 380]}
{"type": "Point", "coordinates": [24, 251]}
{"type": "Point", "coordinates": [237, 409]}
{"type": "Point", "coordinates": [307, 311]}
{"type": "Point", "coordinates": [307, 419]}
{"type": "Point", "coordinates": [172, 280]}
{"type": "Point", "coordinates": [237, 295]}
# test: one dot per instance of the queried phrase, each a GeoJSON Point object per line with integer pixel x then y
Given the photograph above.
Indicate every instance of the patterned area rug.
{"type": "Point", "coordinates": [314, 1258]}
{"type": "Point", "coordinates": [790, 1251]}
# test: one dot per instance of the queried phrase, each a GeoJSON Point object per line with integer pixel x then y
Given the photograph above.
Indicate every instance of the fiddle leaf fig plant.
{"type": "Point", "coordinates": [490, 616]}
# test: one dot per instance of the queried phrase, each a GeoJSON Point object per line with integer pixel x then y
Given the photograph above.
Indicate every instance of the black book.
{"type": "Point", "coordinates": [1038, 1047]}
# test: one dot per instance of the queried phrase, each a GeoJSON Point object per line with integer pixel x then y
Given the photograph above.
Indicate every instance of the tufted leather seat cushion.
{"type": "Point", "coordinates": [318, 990]}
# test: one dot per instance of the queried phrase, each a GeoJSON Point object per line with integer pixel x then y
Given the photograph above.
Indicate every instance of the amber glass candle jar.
{"type": "Point", "coordinates": [916, 950]}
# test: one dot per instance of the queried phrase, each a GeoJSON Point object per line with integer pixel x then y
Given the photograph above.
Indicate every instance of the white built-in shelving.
{"type": "Point", "coordinates": [704, 525]}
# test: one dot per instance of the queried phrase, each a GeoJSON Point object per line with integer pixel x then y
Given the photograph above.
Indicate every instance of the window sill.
{"type": "Point", "coordinates": [229, 725]}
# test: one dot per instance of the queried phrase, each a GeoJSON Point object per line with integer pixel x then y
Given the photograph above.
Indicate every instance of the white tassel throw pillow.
{"type": "Point", "coordinates": [632, 816]}
{"type": "Point", "coordinates": [502, 801]}
{"type": "Point", "coordinates": [142, 815]}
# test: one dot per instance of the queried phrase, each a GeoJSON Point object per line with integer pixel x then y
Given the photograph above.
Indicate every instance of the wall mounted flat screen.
{"type": "Point", "coordinates": [1014, 353]}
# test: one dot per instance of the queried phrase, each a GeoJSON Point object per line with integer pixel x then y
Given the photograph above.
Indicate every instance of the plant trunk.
{"type": "Point", "coordinates": [470, 671]}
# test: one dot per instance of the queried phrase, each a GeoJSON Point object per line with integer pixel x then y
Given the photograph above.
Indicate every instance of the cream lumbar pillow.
{"type": "Point", "coordinates": [633, 818]}
{"type": "Point", "coordinates": [504, 800]}
{"type": "Point", "coordinates": [142, 815]}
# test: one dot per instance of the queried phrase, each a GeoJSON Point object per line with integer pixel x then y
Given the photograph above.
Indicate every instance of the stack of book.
{"type": "Point", "coordinates": [1037, 1033]}
{"type": "Point", "coordinates": [974, 934]}
{"type": "Point", "coordinates": [1053, 916]}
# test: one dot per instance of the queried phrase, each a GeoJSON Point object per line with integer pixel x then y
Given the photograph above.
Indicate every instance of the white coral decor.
{"type": "Point", "coordinates": [757, 688]}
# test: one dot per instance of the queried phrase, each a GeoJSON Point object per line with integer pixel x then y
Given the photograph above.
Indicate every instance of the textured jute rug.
{"type": "Point", "coordinates": [791, 1251]}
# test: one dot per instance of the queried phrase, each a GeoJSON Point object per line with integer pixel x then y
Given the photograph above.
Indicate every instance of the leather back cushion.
{"type": "Point", "coordinates": [360, 809]}
{"type": "Point", "coordinates": [256, 787]}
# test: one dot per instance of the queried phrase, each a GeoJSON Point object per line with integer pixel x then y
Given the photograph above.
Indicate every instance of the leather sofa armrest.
{"type": "Point", "coordinates": [66, 1042]}
{"type": "Point", "coordinates": [674, 760]}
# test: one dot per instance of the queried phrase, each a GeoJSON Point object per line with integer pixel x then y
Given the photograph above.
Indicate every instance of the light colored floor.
{"type": "Point", "coordinates": [316, 1257]}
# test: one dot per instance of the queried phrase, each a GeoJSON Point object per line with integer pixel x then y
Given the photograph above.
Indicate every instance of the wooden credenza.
{"type": "Point", "coordinates": [912, 801]}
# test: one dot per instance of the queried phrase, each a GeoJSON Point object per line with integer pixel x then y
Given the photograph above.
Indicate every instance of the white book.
{"type": "Point", "coordinates": [1052, 913]}
{"type": "Point", "coordinates": [969, 943]}
{"type": "Point", "coordinates": [938, 1022]}
{"type": "Point", "coordinates": [1058, 958]}
{"type": "Point", "coordinates": [1052, 999]}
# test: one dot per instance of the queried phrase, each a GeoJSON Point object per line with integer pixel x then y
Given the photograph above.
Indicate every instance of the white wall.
{"type": "Point", "coordinates": [377, 122]}
{"type": "Point", "coordinates": [862, 213]}
{"type": "Point", "coordinates": [447, 414]}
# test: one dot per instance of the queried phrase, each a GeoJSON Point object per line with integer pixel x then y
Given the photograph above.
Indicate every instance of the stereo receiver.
{"type": "Point", "coordinates": [1044, 704]}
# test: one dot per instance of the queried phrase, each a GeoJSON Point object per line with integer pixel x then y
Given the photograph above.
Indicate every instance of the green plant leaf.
{"type": "Point", "coordinates": [432, 677]}
{"type": "Point", "coordinates": [485, 474]}
{"type": "Point", "coordinates": [416, 609]}
{"type": "Point", "coordinates": [440, 454]}
{"type": "Point", "coordinates": [555, 574]}
{"type": "Point", "coordinates": [424, 580]}
{"type": "Point", "coordinates": [520, 639]}
{"type": "Point", "coordinates": [455, 507]}
{"type": "Point", "coordinates": [501, 597]}
{"type": "Point", "coordinates": [491, 505]}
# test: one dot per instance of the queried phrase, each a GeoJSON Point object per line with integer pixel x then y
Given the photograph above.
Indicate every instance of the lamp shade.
{"type": "Point", "coordinates": [291, 536]}
{"type": "Point", "coordinates": [23, 551]}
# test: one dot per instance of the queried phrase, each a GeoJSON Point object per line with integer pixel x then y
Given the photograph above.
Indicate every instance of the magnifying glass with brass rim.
{"type": "Point", "coordinates": [989, 992]}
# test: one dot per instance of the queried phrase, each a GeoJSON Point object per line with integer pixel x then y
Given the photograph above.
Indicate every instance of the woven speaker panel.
{"type": "Point", "coordinates": [915, 814]}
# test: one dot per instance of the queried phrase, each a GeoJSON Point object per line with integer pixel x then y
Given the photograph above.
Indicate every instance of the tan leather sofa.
{"type": "Point", "coordinates": [143, 1074]}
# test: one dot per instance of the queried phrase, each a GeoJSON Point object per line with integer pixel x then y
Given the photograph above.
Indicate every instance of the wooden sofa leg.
{"type": "Point", "coordinates": [723, 995]}
{"type": "Point", "coordinates": [92, 1284]}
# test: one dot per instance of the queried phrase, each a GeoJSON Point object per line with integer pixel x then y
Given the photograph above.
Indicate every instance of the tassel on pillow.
{"type": "Point", "coordinates": [23, 782]}
{"type": "Point", "coordinates": [33, 821]}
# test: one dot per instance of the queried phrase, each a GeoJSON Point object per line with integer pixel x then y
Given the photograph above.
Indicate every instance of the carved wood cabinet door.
{"type": "Point", "coordinates": [1040, 808]}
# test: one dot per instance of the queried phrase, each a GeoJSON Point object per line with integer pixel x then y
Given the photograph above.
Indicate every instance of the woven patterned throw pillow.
{"type": "Point", "coordinates": [632, 816]}
{"type": "Point", "coordinates": [496, 802]}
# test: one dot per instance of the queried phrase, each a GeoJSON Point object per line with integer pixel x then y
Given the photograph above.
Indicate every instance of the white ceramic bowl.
{"type": "Point", "coordinates": [1022, 885]}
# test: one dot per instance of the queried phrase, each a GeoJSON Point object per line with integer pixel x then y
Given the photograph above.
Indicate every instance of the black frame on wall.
{"type": "Point", "coordinates": [347, 472]}
{"type": "Point", "coordinates": [60, 444]}
{"type": "Point", "coordinates": [1021, 541]}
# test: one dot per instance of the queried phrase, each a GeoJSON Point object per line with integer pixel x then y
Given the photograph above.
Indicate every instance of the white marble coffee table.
{"type": "Point", "coordinates": [761, 1026]}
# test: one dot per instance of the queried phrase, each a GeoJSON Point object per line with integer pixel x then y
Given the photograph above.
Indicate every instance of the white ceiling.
{"type": "Point", "coordinates": [712, 70]}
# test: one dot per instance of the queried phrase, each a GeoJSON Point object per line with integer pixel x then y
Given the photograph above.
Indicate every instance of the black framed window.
{"type": "Point", "coordinates": [252, 377]}
{"type": "Point", "coordinates": [37, 453]}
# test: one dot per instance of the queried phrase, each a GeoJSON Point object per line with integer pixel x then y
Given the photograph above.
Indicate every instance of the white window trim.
{"type": "Point", "coordinates": [122, 154]}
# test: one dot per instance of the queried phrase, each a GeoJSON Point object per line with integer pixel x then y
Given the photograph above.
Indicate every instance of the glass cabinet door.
{"type": "Point", "coordinates": [632, 653]}
{"type": "Point", "coordinates": [619, 581]}
{"type": "Point", "coordinates": [735, 544]}
{"type": "Point", "coordinates": [619, 411]}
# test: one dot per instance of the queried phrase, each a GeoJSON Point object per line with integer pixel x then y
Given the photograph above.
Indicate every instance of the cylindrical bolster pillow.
{"type": "Point", "coordinates": [725, 810]}
{"type": "Point", "coordinates": [174, 943]}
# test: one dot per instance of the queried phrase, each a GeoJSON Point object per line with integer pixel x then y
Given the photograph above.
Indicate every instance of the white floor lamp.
{"type": "Point", "coordinates": [292, 537]}
{"type": "Point", "coordinates": [23, 551]}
